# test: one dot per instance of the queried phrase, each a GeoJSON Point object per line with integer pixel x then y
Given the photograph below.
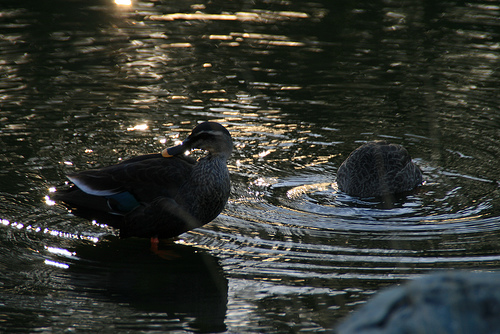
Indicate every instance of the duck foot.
{"type": "Point", "coordinates": [164, 254]}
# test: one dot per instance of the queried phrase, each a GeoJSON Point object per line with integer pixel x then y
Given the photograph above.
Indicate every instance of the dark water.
{"type": "Point", "coordinates": [299, 84]}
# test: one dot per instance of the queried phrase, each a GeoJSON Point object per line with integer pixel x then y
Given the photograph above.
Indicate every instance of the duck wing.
{"type": "Point", "coordinates": [122, 187]}
{"type": "Point", "coordinates": [141, 172]}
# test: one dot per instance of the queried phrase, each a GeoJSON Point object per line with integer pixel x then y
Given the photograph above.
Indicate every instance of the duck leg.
{"type": "Point", "coordinates": [164, 254]}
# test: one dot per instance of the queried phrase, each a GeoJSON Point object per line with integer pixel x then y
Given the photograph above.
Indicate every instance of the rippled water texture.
{"type": "Point", "coordinates": [299, 84]}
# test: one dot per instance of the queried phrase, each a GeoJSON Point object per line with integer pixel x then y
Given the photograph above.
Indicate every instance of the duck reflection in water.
{"type": "Point", "coordinates": [378, 169]}
{"type": "Point", "coordinates": [191, 287]}
{"type": "Point", "coordinates": [158, 195]}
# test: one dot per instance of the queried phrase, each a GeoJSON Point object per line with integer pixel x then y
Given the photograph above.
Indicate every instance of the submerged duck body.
{"type": "Point", "coordinates": [378, 169]}
{"type": "Point", "coordinates": [159, 195]}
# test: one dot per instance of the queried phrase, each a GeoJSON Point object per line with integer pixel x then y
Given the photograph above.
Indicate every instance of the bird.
{"type": "Point", "coordinates": [378, 169]}
{"type": "Point", "coordinates": [158, 195]}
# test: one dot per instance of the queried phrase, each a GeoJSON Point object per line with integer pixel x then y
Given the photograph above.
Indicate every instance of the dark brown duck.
{"type": "Point", "coordinates": [378, 169]}
{"type": "Point", "coordinates": [158, 195]}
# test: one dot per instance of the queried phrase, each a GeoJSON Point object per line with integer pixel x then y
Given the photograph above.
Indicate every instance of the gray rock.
{"type": "Point", "coordinates": [452, 302]}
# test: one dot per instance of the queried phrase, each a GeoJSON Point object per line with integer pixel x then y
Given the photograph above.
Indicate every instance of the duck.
{"type": "Point", "coordinates": [378, 169]}
{"type": "Point", "coordinates": [159, 195]}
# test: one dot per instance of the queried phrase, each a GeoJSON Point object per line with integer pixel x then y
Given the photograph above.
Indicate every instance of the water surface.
{"type": "Point", "coordinates": [299, 85]}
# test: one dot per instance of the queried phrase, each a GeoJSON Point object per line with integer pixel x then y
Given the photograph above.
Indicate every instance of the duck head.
{"type": "Point", "coordinates": [209, 136]}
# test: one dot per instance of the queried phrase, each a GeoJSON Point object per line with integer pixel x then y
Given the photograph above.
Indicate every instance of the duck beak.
{"type": "Point", "coordinates": [176, 150]}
